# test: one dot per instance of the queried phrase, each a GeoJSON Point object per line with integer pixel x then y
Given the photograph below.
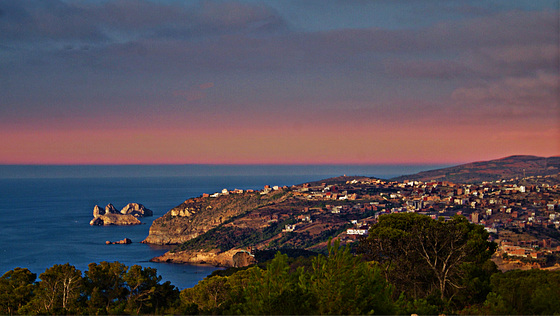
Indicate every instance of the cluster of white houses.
{"type": "Point", "coordinates": [496, 205]}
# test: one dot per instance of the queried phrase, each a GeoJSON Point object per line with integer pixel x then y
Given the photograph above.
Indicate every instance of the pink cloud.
{"type": "Point", "coordinates": [522, 54]}
{"type": "Point", "coordinates": [513, 96]}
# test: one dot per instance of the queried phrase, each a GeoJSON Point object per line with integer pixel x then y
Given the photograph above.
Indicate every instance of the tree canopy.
{"type": "Point", "coordinates": [16, 288]}
{"type": "Point", "coordinates": [532, 292]}
{"type": "Point", "coordinates": [337, 283]}
{"type": "Point", "coordinates": [409, 264]}
{"type": "Point", "coordinates": [427, 258]}
{"type": "Point", "coordinates": [105, 288]}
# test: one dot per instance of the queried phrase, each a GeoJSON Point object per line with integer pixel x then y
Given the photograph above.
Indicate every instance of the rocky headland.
{"type": "Point", "coordinates": [217, 229]}
{"type": "Point", "coordinates": [127, 216]}
{"type": "Point", "coordinates": [197, 216]}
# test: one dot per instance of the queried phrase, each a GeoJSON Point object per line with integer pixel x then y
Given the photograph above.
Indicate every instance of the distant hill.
{"type": "Point", "coordinates": [505, 168]}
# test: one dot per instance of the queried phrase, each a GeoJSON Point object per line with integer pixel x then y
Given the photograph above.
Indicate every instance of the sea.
{"type": "Point", "coordinates": [45, 210]}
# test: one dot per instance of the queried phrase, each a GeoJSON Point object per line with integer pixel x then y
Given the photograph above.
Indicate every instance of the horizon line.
{"type": "Point", "coordinates": [231, 164]}
{"type": "Point", "coordinates": [450, 163]}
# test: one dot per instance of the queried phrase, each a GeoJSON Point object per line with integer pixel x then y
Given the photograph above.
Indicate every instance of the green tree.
{"type": "Point", "coordinates": [420, 306]}
{"type": "Point", "coordinates": [237, 283]}
{"type": "Point", "coordinates": [16, 290]}
{"type": "Point", "coordinates": [208, 295]}
{"type": "Point", "coordinates": [58, 292]}
{"type": "Point", "coordinates": [342, 283]}
{"type": "Point", "coordinates": [339, 283]}
{"type": "Point", "coordinates": [165, 298]}
{"type": "Point", "coordinates": [475, 284]}
{"type": "Point", "coordinates": [532, 292]}
{"type": "Point", "coordinates": [217, 294]}
{"type": "Point", "coordinates": [426, 258]}
{"type": "Point", "coordinates": [276, 290]}
{"type": "Point", "coordinates": [145, 293]}
{"type": "Point", "coordinates": [106, 287]}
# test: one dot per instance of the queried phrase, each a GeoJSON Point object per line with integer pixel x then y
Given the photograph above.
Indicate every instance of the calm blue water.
{"type": "Point", "coordinates": [45, 210]}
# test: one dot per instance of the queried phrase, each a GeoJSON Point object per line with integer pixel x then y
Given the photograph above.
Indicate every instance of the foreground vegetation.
{"type": "Point", "coordinates": [408, 264]}
{"type": "Point", "coordinates": [105, 288]}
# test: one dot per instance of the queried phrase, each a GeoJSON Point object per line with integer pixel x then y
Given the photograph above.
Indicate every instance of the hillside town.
{"type": "Point", "coordinates": [522, 214]}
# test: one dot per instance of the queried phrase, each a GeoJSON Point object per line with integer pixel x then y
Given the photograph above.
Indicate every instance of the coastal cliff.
{"type": "Point", "coordinates": [217, 229]}
{"type": "Point", "coordinates": [197, 216]}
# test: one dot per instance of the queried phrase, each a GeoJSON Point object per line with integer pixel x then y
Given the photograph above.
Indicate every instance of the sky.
{"type": "Point", "coordinates": [278, 82]}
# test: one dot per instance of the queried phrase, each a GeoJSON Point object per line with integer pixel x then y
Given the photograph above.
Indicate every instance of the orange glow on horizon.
{"type": "Point", "coordinates": [308, 145]}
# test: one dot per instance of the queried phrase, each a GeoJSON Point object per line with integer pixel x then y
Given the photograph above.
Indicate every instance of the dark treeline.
{"type": "Point", "coordinates": [409, 264]}
{"type": "Point", "coordinates": [105, 288]}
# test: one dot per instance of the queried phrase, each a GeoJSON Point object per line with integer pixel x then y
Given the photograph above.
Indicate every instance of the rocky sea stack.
{"type": "Point", "coordinates": [127, 216]}
{"type": "Point", "coordinates": [125, 241]}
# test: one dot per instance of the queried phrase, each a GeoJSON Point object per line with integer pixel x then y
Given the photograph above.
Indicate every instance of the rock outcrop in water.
{"type": "Point", "coordinates": [137, 210]}
{"type": "Point", "coordinates": [127, 216]}
{"type": "Point", "coordinates": [125, 241]}
{"type": "Point", "coordinates": [110, 209]}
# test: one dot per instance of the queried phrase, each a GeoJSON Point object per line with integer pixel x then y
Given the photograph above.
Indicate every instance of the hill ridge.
{"type": "Point", "coordinates": [490, 170]}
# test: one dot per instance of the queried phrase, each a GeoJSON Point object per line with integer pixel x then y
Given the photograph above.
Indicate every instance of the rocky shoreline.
{"type": "Point", "coordinates": [230, 258]}
{"type": "Point", "coordinates": [129, 216]}
{"type": "Point", "coordinates": [195, 217]}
